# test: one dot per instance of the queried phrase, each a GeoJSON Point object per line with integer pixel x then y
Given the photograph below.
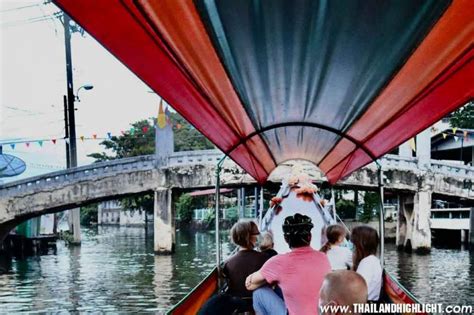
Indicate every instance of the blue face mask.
{"type": "Point", "coordinates": [347, 244]}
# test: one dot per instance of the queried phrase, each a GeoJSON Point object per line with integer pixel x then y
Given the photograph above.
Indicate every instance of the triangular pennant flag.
{"type": "Point", "coordinates": [82, 138]}
{"type": "Point", "coordinates": [456, 138]}
{"type": "Point", "coordinates": [145, 129]}
{"type": "Point", "coordinates": [67, 140]}
{"type": "Point", "coordinates": [27, 144]}
{"type": "Point", "coordinates": [40, 142]}
{"type": "Point", "coordinates": [109, 135]}
{"type": "Point", "coordinates": [444, 135]}
{"type": "Point", "coordinates": [412, 144]}
{"type": "Point", "coordinates": [12, 146]}
{"type": "Point", "coordinates": [455, 129]}
{"type": "Point", "coordinates": [161, 116]}
{"type": "Point", "coordinates": [94, 136]}
{"type": "Point", "coordinates": [54, 141]}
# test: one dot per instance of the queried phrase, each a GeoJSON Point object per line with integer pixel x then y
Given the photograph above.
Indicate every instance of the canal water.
{"type": "Point", "coordinates": [115, 270]}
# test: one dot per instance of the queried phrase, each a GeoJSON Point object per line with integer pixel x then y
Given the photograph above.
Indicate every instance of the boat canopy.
{"type": "Point", "coordinates": [337, 83]}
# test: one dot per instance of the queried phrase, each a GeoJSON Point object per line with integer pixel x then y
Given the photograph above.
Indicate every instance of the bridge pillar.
{"type": "Point", "coordinates": [164, 224]}
{"type": "Point", "coordinates": [413, 230]}
{"type": "Point", "coordinates": [423, 149]}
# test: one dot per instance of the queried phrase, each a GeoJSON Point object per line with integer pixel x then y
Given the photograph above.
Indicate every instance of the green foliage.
{"type": "Point", "coordinates": [463, 117]}
{"type": "Point", "coordinates": [89, 214]}
{"type": "Point", "coordinates": [210, 218]}
{"type": "Point", "coordinates": [139, 203]}
{"type": "Point", "coordinates": [140, 140]}
{"type": "Point", "coordinates": [184, 207]}
{"type": "Point", "coordinates": [187, 138]}
{"type": "Point", "coordinates": [346, 209]}
{"type": "Point", "coordinates": [186, 204]}
{"type": "Point", "coordinates": [232, 214]}
{"type": "Point", "coordinates": [370, 208]}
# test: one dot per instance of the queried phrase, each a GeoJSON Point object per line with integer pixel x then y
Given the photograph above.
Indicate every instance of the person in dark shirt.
{"type": "Point", "coordinates": [246, 261]}
{"type": "Point", "coordinates": [236, 269]}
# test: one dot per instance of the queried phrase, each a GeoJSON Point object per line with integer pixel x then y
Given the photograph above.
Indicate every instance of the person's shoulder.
{"type": "Point", "coordinates": [370, 260]}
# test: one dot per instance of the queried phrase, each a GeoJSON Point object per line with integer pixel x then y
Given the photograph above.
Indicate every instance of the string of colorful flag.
{"type": "Point", "coordinates": [445, 134]}
{"type": "Point", "coordinates": [163, 119]}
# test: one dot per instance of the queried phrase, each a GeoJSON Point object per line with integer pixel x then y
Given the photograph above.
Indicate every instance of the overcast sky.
{"type": "Point", "coordinates": [33, 82]}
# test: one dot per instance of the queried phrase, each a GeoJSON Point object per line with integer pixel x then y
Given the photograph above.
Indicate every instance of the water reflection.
{"type": "Point", "coordinates": [115, 270]}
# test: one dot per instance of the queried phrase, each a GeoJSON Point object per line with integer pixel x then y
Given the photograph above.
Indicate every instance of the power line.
{"type": "Point", "coordinates": [19, 8]}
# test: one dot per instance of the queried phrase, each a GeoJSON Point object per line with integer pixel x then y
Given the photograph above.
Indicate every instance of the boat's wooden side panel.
{"type": "Point", "coordinates": [394, 292]}
{"type": "Point", "coordinates": [192, 302]}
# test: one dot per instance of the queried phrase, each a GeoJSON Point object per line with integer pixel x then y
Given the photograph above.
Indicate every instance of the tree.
{"type": "Point", "coordinates": [346, 209]}
{"type": "Point", "coordinates": [463, 117]}
{"type": "Point", "coordinates": [186, 204]}
{"type": "Point", "coordinates": [371, 202]}
{"type": "Point", "coordinates": [140, 140]}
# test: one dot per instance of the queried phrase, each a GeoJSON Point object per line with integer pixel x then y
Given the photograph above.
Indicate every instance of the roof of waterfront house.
{"type": "Point", "coordinates": [337, 83]}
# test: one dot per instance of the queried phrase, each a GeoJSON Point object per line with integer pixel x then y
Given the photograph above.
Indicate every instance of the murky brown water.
{"type": "Point", "coordinates": [115, 270]}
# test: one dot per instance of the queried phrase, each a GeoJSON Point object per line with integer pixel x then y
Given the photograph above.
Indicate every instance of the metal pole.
{"type": "Point", "coordinates": [70, 92]}
{"type": "Point", "coordinates": [333, 205]}
{"type": "Point", "coordinates": [382, 215]}
{"type": "Point", "coordinates": [75, 213]}
{"type": "Point", "coordinates": [218, 242]}
{"type": "Point", "coordinates": [66, 134]}
{"type": "Point", "coordinates": [261, 207]}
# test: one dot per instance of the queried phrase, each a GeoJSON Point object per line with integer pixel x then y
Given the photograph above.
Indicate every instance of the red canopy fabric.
{"type": "Point", "coordinates": [335, 83]}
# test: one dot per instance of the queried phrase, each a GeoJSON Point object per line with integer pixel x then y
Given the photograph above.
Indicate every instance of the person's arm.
{"type": "Point", "coordinates": [255, 281]}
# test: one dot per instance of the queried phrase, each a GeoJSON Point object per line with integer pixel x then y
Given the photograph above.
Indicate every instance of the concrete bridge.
{"type": "Point", "coordinates": [59, 191]}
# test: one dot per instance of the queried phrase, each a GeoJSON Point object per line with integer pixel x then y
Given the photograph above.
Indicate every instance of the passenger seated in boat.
{"type": "Point", "coordinates": [366, 241]}
{"type": "Point", "coordinates": [266, 245]}
{"type": "Point", "coordinates": [339, 257]}
{"type": "Point", "coordinates": [246, 261]}
{"type": "Point", "coordinates": [236, 269]}
{"type": "Point", "coordinates": [344, 288]}
{"type": "Point", "coordinates": [299, 273]}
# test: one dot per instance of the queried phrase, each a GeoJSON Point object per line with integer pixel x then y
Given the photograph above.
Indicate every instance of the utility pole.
{"type": "Point", "coordinates": [66, 134]}
{"type": "Point", "coordinates": [74, 214]}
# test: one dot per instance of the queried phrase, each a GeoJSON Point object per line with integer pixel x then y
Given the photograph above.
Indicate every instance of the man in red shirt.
{"type": "Point", "coordinates": [299, 274]}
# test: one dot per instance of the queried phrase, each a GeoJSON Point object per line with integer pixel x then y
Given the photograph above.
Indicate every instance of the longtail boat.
{"type": "Point", "coordinates": [336, 83]}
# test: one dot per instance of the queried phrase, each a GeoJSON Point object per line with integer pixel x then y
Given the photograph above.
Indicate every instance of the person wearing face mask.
{"type": "Point", "coordinates": [236, 269]}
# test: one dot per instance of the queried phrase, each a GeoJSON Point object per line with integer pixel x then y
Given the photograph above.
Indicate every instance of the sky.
{"type": "Point", "coordinates": [33, 82]}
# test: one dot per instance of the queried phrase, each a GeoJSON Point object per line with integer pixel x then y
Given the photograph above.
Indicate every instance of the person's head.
{"type": "Point", "coordinates": [366, 241]}
{"type": "Point", "coordinates": [244, 234]}
{"type": "Point", "coordinates": [342, 287]}
{"type": "Point", "coordinates": [266, 242]}
{"type": "Point", "coordinates": [335, 234]}
{"type": "Point", "coordinates": [297, 230]}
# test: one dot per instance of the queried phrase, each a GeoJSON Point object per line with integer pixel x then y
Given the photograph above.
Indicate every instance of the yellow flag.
{"type": "Point", "coordinates": [412, 144]}
{"type": "Point", "coordinates": [444, 135]}
{"type": "Point", "coordinates": [161, 119]}
{"type": "Point", "coordinates": [455, 129]}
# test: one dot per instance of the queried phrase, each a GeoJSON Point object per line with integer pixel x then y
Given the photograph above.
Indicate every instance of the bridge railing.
{"type": "Point", "coordinates": [452, 169]}
{"type": "Point", "coordinates": [192, 157]}
{"type": "Point", "coordinates": [399, 162]}
{"type": "Point", "coordinates": [82, 172]}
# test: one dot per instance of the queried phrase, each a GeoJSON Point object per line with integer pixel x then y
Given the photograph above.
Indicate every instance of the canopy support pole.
{"type": "Point", "coordinates": [260, 212]}
{"type": "Point", "coordinates": [382, 215]}
{"type": "Point", "coordinates": [218, 242]}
